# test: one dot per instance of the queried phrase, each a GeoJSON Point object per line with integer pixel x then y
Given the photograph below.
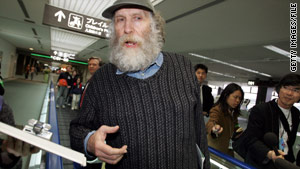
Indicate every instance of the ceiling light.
{"type": "Point", "coordinates": [279, 51]}
{"type": "Point", "coordinates": [229, 64]}
{"type": "Point", "coordinates": [70, 42]}
{"type": "Point", "coordinates": [39, 55]}
{"type": "Point", "coordinates": [155, 2]}
{"type": "Point", "coordinates": [221, 74]}
{"type": "Point", "coordinates": [93, 8]}
{"type": "Point", "coordinates": [49, 57]}
{"type": "Point", "coordinates": [31, 49]}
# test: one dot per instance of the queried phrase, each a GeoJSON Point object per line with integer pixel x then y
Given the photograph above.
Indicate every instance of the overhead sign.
{"type": "Point", "coordinates": [69, 20]}
{"type": "Point", "coordinates": [63, 56]}
{"type": "Point", "coordinates": [251, 82]}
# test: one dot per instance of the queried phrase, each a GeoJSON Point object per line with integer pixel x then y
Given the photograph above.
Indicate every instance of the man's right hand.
{"type": "Point", "coordinates": [272, 155]}
{"type": "Point", "coordinates": [96, 145]}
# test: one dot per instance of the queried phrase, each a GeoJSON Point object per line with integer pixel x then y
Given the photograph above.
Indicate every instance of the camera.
{"type": "Point", "coordinates": [38, 128]}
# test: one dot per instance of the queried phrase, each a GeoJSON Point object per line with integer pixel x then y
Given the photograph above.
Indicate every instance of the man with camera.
{"type": "Point", "coordinates": [278, 116]}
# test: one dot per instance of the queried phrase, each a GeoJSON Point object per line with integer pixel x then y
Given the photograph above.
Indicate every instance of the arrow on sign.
{"type": "Point", "coordinates": [59, 15]}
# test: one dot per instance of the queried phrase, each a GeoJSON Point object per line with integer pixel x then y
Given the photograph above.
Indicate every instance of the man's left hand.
{"type": "Point", "coordinates": [18, 148]}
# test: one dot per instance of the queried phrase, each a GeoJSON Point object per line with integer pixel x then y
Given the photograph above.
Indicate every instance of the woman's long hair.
{"type": "Point", "coordinates": [232, 87]}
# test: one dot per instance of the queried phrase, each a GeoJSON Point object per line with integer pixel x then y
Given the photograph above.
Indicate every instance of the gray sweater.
{"type": "Point", "coordinates": [160, 117]}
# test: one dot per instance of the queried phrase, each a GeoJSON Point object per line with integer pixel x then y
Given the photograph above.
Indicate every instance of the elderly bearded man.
{"type": "Point", "coordinates": [142, 110]}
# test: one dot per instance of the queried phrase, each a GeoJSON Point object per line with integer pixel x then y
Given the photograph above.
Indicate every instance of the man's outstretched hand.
{"type": "Point", "coordinates": [97, 146]}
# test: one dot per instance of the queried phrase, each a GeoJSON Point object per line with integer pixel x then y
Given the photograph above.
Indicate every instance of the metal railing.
{"type": "Point", "coordinates": [230, 159]}
{"type": "Point", "coordinates": [53, 160]}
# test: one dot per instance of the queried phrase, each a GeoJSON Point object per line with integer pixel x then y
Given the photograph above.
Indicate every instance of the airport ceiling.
{"type": "Point", "coordinates": [231, 31]}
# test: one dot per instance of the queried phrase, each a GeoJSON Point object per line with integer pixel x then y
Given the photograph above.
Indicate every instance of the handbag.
{"type": "Point", "coordinates": [62, 82]}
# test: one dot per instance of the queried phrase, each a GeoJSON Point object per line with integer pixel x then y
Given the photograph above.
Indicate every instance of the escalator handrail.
{"type": "Point", "coordinates": [230, 159]}
{"type": "Point", "coordinates": [53, 160]}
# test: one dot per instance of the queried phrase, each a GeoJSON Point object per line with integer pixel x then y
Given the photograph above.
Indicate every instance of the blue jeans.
{"type": "Point", "coordinates": [62, 95]}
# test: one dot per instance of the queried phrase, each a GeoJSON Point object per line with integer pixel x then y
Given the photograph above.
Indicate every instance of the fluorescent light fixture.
{"type": "Point", "coordinates": [155, 2]}
{"type": "Point", "coordinates": [70, 42]}
{"type": "Point", "coordinates": [279, 51]}
{"type": "Point", "coordinates": [43, 56]}
{"type": "Point", "coordinates": [49, 57]}
{"type": "Point", "coordinates": [74, 61]}
{"type": "Point", "coordinates": [221, 74]}
{"type": "Point", "coordinates": [218, 164]}
{"type": "Point", "coordinates": [93, 8]}
{"type": "Point", "coordinates": [229, 64]}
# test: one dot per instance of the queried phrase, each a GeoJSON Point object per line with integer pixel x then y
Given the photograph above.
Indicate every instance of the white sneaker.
{"type": "Point", "coordinates": [57, 106]}
{"type": "Point", "coordinates": [63, 106]}
{"type": "Point", "coordinates": [72, 108]}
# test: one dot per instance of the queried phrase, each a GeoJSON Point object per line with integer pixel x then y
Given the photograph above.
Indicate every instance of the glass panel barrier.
{"type": "Point", "coordinates": [223, 161]}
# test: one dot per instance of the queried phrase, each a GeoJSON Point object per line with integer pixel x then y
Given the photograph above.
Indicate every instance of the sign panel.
{"type": "Point", "coordinates": [69, 20]}
{"type": "Point", "coordinates": [251, 82]}
{"type": "Point", "coordinates": [64, 56]}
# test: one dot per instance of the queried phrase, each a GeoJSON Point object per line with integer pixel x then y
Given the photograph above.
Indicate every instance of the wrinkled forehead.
{"type": "Point", "coordinates": [131, 12]}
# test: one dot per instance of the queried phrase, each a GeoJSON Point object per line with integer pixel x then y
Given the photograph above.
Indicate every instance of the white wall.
{"type": "Point", "coordinates": [9, 59]}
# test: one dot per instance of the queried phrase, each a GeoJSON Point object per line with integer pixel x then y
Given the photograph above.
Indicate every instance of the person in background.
{"type": "Point", "coordinates": [207, 99]}
{"type": "Point", "coordinates": [76, 92]}
{"type": "Point", "coordinates": [64, 83]}
{"type": "Point", "coordinates": [223, 123]}
{"type": "Point", "coordinates": [142, 110]}
{"type": "Point", "coordinates": [46, 72]}
{"type": "Point", "coordinates": [27, 70]}
{"type": "Point", "coordinates": [278, 116]}
{"type": "Point", "coordinates": [75, 75]}
{"type": "Point", "coordinates": [94, 63]}
{"type": "Point", "coordinates": [32, 71]}
{"type": "Point", "coordinates": [69, 99]}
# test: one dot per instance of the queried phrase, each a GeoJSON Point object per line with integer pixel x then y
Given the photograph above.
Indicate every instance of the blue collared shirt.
{"type": "Point", "coordinates": [150, 71]}
{"type": "Point", "coordinates": [142, 74]}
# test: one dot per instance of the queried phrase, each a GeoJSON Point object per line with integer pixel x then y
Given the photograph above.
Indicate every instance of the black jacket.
{"type": "Point", "coordinates": [265, 118]}
{"type": "Point", "coordinates": [67, 76]}
{"type": "Point", "coordinates": [208, 99]}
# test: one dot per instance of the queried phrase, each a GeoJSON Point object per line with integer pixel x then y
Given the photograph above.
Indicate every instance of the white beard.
{"type": "Point", "coordinates": [134, 59]}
